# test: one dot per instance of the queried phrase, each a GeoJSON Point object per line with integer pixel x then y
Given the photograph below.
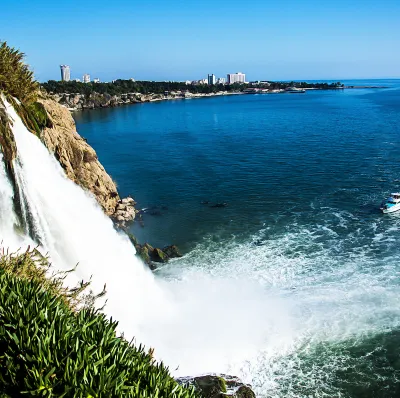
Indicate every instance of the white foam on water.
{"type": "Point", "coordinates": [324, 296]}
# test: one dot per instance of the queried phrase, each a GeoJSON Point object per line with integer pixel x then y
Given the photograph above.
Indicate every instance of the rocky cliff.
{"type": "Point", "coordinates": [96, 100]}
{"type": "Point", "coordinates": [78, 159]}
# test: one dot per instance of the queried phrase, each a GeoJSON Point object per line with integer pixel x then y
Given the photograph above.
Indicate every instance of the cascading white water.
{"type": "Point", "coordinates": [195, 326]}
{"type": "Point", "coordinates": [7, 215]}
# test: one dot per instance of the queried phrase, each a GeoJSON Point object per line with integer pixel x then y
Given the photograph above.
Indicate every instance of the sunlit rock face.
{"type": "Point", "coordinates": [77, 158]}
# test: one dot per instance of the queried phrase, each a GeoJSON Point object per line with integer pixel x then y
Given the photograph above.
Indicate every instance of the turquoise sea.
{"type": "Point", "coordinates": [302, 177]}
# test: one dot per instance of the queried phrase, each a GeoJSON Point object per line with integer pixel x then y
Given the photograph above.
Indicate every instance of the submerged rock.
{"type": "Point", "coordinates": [221, 204]}
{"type": "Point", "coordinates": [218, 386]}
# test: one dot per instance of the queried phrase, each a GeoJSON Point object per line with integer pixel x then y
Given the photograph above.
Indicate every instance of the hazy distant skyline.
{"type": "Point", "coordinates": [186, 40]}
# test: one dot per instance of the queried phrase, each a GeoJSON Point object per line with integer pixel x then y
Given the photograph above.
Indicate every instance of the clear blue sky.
{"type": "Point", "coordinates": [179, 40]}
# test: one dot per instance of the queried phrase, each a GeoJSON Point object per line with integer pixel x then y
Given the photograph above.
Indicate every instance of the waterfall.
{"type": "Point", "coordinates": [196, 325]}
{"type": "Point", "coordinates": [71, 227]}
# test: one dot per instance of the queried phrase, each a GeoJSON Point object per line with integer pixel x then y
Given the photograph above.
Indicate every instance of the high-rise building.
{"type": "Point", "coordinates": [86, 78]}
{"type": "Point", "coordinates": [96, 80]}
{"type": "Point", "coordinates": [238, 77]}
{"type": "Point", "coordinates": [65, 73]}
{"type": "Point", "coordinates": [221, 80]}
{"type": "Point", "coordinates": [211, 79]}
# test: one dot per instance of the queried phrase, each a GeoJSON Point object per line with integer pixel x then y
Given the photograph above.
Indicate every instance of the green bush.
{"type": "Point", "coordinates": [49, 350]}
{"type": "Point", "coordinates": [16, 79]}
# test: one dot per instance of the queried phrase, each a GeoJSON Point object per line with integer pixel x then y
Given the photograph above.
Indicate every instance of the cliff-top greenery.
{"type": "Point", "coordinates": [120, 86]}
{"type": "Point", "coordinates": [48, 348]}
{"type": "Point", "coordinates": [17, 83]}
{"type": "Point", "coordinates": [16, 79]}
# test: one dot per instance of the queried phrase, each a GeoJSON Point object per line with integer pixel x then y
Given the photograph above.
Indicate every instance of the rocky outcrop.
{"type": "Point", "coordinates": [76, 101]}
{"type": "Point", "coordinates": [152, 255]}
{"type": "Point", "coordinates": [218, 386]}
{"type": "Point", "coordinates": [7, 141]}
{"type": "Point", "coordinates": [78, 159]}
{"type": "Point", "coordinates": [97, 100]}
{"type": "Point", "coordinates": [124, 212]}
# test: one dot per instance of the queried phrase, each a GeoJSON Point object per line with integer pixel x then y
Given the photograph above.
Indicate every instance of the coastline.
{"type": "Point", "coordinates": [78, 102]}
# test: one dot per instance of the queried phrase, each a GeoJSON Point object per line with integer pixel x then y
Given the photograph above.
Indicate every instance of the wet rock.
{"type": "Point", "coordinates": [159, 256]}
{"type": "Point", "coordinates": [218, 386]}
{"type": "Point", "coordinates": [153, 255]}
{"type": "Point", "coordinates": [172, 251]}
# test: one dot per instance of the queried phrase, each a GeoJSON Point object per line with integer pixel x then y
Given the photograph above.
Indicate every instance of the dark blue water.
{"type": "Point", "coordinates": [263, 155]}
{"type": "Point", "coordinates": [303, 176]}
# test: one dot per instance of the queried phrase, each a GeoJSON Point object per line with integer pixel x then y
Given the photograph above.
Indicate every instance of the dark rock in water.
{"type": "Point", "coordinates": [159, 256]}
{"type": "Point", "coordinates": [218, 386]}
{"type": "Point", "coordinates": [210, 386]}
{"type": "Point", "coordinates": [221, 204]}
{"type": "Point", "coordinates": [172, 251]}
{"type": "Point", "coordinates": [151, 255]}
{"type": "Point", "coordinates": [143, 253]}
{"type": "Point", "coordinates": [205, 202]}
{"type": "Point", "coordinates": [149, 247]}
{"type": "Point", "coordinates": [258, 242]}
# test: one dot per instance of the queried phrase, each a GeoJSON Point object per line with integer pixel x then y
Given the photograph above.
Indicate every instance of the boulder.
{"type": "Point", "coordinates": [218, 386]}
{"type": "Point", "coordinates": [159, 256]}
{"type": "Point", "coordinates": [124, 211]}
{"type": "Point", "coordinates": [172, 251]}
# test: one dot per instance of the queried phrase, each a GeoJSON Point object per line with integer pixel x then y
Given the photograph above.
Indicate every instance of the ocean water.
{"type": "Point", "coordinates": [302, 176]}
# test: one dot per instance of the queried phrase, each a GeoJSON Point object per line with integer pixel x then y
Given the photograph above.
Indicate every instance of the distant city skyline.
{"type": "Point", "coordinates": [275, 40]}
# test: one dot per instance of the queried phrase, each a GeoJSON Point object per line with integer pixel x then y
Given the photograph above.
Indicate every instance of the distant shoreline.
{"type": "Point", "coordinates": [79, 102]}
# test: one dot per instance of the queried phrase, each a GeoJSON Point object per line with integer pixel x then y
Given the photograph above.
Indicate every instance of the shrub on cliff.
{"type": "Point", "coordinates": [16, 79]}
{"type": "Point", "coordinates": [48, 349]}
{"type": "Point", "coordinates": [17, 82]}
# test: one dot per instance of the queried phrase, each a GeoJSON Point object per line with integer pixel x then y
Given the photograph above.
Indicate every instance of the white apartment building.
{"type": "Point", "coordinates": [65, 73]}
{"type": "Point", "coordinates": [221, 80]}
{"type": "Point", "coordinates": [86, 78]}
{"type": "Point", "coordinates": [96, 80]}
{"type": "Point", "coordinates": [238, 77]}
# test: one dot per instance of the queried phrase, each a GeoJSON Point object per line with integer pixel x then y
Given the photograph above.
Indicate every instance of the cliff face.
{"type": "Point", "coordinates": [7, 142]}
{"type": "Point", "coordinates": [96, 100]}
{"type": "Point", "coordinates": [78, 159]}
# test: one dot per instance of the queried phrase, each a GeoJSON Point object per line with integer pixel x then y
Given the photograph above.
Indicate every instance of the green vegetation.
{"type": "Point", "coordinates": [16, 79]}
{"type": "Point", "coordinates": [128, 86]}
{"type": "Point", "coordinates": [48, 348]}
{"type": "Point", "coordinates": [21, 90]}
{"type": "Point", "coordinates": [119, 87]}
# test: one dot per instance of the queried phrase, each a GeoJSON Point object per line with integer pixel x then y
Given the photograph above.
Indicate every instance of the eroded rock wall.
{"type": "Point", "coordinates": [78, 159]}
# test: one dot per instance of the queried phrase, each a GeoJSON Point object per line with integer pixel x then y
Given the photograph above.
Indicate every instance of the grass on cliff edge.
{"type": "Point", "coordinates": [49, 349]}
